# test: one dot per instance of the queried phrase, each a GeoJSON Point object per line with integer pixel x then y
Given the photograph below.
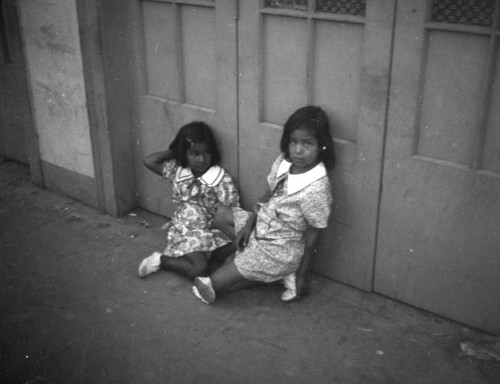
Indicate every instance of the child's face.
{"type": "Point", "coordinates": [199, 158]}
{"type": "Point", "coordinates": [303, 150]}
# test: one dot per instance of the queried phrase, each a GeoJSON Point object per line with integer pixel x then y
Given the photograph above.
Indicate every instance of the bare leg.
{"type": "Point", "coordinates": [222, 253]}
{"type": "Point", "coordinates": [240, 285]}
{"type": "Point", "coordinates": [224, 221]}
{"type": "Point", "coordinates": [226, 278]}
{"type": "Point", "coordinates": [191, 265]}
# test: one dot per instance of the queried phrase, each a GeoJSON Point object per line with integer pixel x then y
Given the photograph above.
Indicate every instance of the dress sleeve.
{"type": "Point", "coordinates": [271, 177]}
{"type": "Point", "coordinates": [169, 169]}
{"type": "Point", "coordinates": [316, 205]}
{"type": "Point", "coordinates": [227, 192]}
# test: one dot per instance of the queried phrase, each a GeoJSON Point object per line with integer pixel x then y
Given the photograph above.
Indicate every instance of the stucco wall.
{"type": "Point", "coordinates": [54, 64]}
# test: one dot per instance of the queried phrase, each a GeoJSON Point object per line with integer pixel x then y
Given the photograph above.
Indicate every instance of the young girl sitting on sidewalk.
{"type": "Point", "coordinates": [200, 187]}
{"type": "Point", "coordinates": [278, 241]}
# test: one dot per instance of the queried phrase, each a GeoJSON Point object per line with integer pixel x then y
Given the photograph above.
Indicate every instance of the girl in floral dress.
{"type": "Point", "coordinates": [200, 187]}
{"type": "Point", "coordinates": [278, 240]}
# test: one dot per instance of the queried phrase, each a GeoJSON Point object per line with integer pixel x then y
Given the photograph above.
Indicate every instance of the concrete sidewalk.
{"type": "Point", "coordinates": [74, 311]}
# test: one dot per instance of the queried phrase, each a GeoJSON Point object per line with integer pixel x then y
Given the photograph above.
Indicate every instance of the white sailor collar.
{"type": "Point", "coordinates": [211, 177]}
{"type": "Point", "coordinates": [298, 182]}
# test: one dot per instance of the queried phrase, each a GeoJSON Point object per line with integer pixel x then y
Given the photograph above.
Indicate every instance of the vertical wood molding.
{"type": "Point", "coordinates": [375, 87]}
{"type": "Point", "coordinates": [31, 135]}
{"type": "Point", "coordinates": [89, 21]}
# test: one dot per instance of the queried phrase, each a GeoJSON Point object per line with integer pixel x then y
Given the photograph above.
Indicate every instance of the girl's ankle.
{"type": "Point", "coordinates": [164, 262]}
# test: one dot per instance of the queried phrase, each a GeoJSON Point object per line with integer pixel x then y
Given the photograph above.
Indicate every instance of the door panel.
{"type": "Point", "coordinates": [189, 73]}
{"type": "Point", "coordinates": [15, 113]}
{"type": "Point", "coordinates": [450, 111]}
{"type": "Point", "coordinates": [438, 244]}
{"type": "Point", "coordinates": [338, 64]}
{"type": "Point", "coordinates": [283, 39]}
{"type": "Point", "coordinates": [335, 55]}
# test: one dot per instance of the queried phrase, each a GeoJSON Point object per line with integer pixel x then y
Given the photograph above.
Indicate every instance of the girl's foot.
{"type": "Point", "coordinates": [290, 283]}
{"type": "Point", "coordinates": [197, 294]}
{"type": "Point", "coordinates": [204, 290]}
{"type": "Point", "coordinates": [150, 264]}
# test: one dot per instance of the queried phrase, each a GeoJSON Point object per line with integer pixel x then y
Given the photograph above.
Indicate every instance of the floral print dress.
{"type": "Point", "coordinates": [276, 245]}
{"type": "Point", "coordinates": [196, 200]}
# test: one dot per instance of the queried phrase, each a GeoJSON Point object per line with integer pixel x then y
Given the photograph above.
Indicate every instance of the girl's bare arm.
{"type": "Point", "coordinates": [154, 162]}
{"type": "Point", "coordinates": [311, 238]}
{"type": "Point", "coordinates": [242, 237]}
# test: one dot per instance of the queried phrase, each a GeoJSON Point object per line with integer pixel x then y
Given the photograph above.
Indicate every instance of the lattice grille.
{"type": "Point", "coordinates": [350, 7]}
{"type": "Point", "coordinates": [470, 12]}
{"type": "Point", "coordinates": [298, 5]}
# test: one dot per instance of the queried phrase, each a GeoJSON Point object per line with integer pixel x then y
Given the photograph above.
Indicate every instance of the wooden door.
{"type": "Point", "coordinates": [188, 73]}
{"type": "Point", "coordinates": [334, 54]}
{"type": "Point", "coordinates": [15, 113]}
{"type": "Point", "coordinates": [439, 236]}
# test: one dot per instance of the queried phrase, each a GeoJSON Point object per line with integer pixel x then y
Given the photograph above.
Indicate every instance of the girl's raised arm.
{"type": "Point", "coordinates": [154, 162]}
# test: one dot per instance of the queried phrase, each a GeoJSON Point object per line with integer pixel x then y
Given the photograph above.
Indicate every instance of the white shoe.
{"type": "Point", "coordinates": [150, 264]}
{"type": "Point", "coordinates": [197, 294]}
{"type": "Point", "coordinates": [290, 283]}
{"type": "Point", "coordinates": [205, 289]}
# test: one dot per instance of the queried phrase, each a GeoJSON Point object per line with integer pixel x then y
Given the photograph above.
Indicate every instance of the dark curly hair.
{"type": "Point", "coordinates": [314, 120]}
{"type": "Point", "coordinates": [194, 132]}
